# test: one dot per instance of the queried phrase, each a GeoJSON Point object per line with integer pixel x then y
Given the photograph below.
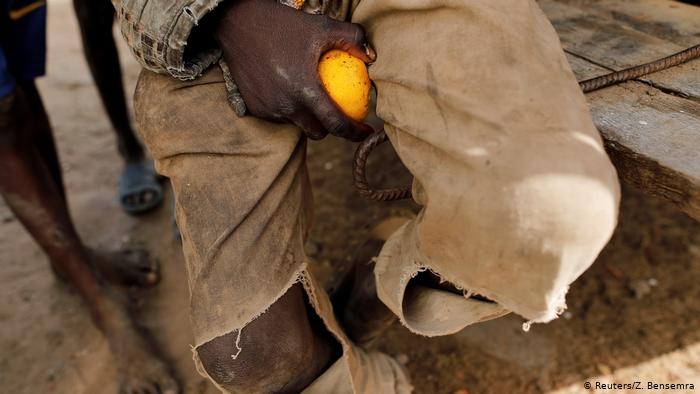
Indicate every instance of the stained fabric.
{"type": "Point", "coordinates": [518, 196]}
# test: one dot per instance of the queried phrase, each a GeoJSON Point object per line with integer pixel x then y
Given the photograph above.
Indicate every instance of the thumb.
{"type": "Point", "coordinates": [351, 38]}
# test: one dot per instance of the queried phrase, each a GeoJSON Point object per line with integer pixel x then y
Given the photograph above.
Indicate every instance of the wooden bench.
{"type": "Point", "coordinates": [651, 126]}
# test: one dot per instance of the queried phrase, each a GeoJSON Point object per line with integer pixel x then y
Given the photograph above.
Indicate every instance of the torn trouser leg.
{"type": "Point", "coordinates": [518, 194]}
{"type": "Point", "coordinates": [243, 205]}
{"type": "Point", "coordinates": [481, 106]}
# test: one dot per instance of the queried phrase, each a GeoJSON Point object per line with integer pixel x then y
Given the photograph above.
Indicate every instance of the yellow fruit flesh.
{"type": "Point", "coordinates": [346, 81]}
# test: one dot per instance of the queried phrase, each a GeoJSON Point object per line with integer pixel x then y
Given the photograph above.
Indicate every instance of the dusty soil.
{"type": "Point", "coordinates": [634, 316]}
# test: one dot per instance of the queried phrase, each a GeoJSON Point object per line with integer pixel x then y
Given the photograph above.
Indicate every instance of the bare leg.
{"type": "Point", "coordinates": [95, 18]}
{"type": "Point", "coordinates": [43, 140]}
{"type": "Point", "coordinates": [27, 185]}
{"type": "Point", "coordinates": [128, 267]}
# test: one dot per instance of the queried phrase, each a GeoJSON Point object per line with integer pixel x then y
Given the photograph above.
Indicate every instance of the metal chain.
{"type": "Point", "coordinates": [399, 193]}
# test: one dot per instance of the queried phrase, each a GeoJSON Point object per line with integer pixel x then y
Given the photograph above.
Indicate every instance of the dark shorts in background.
{"type": "Point", "coordinates": [22, 42]}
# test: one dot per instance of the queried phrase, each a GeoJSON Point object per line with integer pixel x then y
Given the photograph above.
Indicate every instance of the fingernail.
{"type": "Point", "coordinates": [369, 51]}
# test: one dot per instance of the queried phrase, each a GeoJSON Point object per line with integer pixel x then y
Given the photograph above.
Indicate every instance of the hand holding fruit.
{"type": "Point", "coordinates": [273, 52]}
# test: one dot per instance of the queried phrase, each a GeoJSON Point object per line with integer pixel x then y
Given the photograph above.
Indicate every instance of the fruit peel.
{"type": "Point", "coordinates": [346, 80]}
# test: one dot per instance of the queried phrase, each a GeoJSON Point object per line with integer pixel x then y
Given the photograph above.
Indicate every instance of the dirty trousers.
{"type": "Point", "coordinates": [518, 196]}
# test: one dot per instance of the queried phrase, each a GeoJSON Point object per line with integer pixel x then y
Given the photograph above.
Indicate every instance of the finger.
{"type": "Point", "coordinates": [336, 122]}
{"type": "Point", "coordinates": [351, 38]}
{"type": "Point", "coordinates": [311, 126]}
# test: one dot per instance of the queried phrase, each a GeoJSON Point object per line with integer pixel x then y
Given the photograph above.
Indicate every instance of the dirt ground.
{"type": "Point", "coordinates": [634, 316]}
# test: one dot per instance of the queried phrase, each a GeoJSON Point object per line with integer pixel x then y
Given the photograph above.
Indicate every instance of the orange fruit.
{"type": "Point", "coordinates": [346, 81]}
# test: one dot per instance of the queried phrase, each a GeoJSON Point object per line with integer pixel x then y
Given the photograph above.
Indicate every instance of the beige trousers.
{"type": "Point", "coordinates": [518, 196]}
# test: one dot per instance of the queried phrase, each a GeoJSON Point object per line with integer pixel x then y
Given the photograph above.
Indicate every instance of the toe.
{"type": "Point", "coordinates": [146, 268]}
{"type": "Point", "coordinates": [138, 265]}
{"type": "Point", "coordinates": [151, 278]}
{"type": "Point", "coordinates": [130, 267]}
{"type": "Point", "coordinates": [139, 260]}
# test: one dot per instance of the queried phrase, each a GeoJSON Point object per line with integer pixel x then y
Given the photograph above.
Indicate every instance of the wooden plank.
{"type": "Point", "coordinates": [655, 141]}
{"type": "Point", "coordinates": [672, 21]}
{"type": "Point", "coordinates": [583, 69]}
{"type": "Point", "coordinates": [652, 137]}
{"type": "Point", "coordinates": [610, 39]}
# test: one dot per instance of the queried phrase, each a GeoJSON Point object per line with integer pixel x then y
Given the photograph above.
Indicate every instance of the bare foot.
{"type": "Point", "coordinates": [140, 370]}
{"type": "Point", "coordinates": [128, 267]}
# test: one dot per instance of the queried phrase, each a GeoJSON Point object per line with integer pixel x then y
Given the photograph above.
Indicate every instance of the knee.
{"type": "Point", "coordinates": [257, 362]}
{"type": "Point", "coordinates": [278, 352]}
{"type": "Point", "coordinates": [576, 208]}
{"type": "Point", "coordinates": [551, 209]}
{"type": "Point", "coordinates": [252, 370]}
{"type": "Point", "coordinates": [566, 196]}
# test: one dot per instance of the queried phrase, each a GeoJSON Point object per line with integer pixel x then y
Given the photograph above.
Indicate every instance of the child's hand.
{"type": "Point", "coordinates": [273, 51]}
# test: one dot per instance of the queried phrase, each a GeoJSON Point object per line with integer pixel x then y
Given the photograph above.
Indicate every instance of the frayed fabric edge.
{"type": "Point", "coordinates": [531, 316]}
{"type": "Point", "coordinates": [295, 278]}
{"type": "Point", "coordinates": [303, 276]}
{"type": "Point", "coordinates": [306, 280]}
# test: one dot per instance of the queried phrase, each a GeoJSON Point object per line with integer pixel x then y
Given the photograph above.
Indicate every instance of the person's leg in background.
{"type": "Point", "coordinates": [518, 194]}
{"type": "Point", "coordinates": [43, 139]}
{"type": "Point", "coordinates": [129, 266]}
{"type": "Point", "coordinates": [139, 190]}
{"type": "Point", "coordinates": [23, 42]}
{"type": "Point", "coordinates": [29, 185]}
